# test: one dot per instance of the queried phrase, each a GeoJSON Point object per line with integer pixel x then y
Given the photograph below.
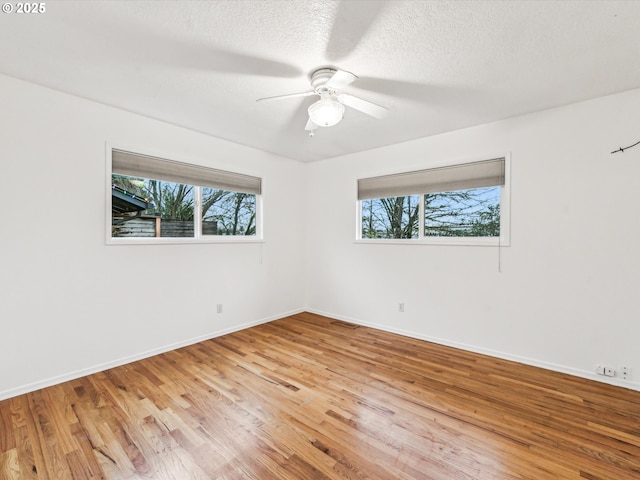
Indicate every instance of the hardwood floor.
{"type": "Point", "coordinates": [310, 398]}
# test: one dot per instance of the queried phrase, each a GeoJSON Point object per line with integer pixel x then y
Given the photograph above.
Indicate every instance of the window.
{"type": "Point", "coordinates": [455, 204]}
{"type": "Point", "coordinates": [158, 200]}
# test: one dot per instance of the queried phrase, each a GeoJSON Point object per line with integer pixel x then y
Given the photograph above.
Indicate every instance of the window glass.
{"type": "Point", "coordinates": [228, 213]}
{"type": "Point", "coordinates": [463, 213]}
{"type": "Point", "coordinates": [395, 217]}
{"type": "Point", "coordinates": [143, 207]}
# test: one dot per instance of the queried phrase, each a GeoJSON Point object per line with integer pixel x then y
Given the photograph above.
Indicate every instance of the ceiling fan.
{"type": "Point", "coordinates": [329, 110]}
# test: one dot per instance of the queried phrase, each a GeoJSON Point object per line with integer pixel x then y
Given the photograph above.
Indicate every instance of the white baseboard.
{"type": "Point", "coordinates": [632, 385]}
{"type": "Point", "coordinates": [13, 392]}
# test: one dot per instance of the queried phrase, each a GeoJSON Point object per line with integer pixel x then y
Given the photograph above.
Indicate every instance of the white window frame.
{"type": "Point", "coordinates": [198, 238]}
{"type": "Point", "coordinates": [504, 240]}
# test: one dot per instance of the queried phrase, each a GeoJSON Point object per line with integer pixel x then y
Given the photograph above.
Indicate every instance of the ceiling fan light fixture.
{"type": "Point", "coordinates": [326, 112]}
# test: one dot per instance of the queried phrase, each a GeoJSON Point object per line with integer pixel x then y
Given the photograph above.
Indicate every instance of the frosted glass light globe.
{"type": "Point", "coordinates": [326, 112]}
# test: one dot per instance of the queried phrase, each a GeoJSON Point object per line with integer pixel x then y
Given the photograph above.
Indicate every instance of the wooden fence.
{"type": "Point", "coordinates": [145, 227]}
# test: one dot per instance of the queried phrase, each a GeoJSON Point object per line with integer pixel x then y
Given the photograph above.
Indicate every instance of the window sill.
{"type": "Point", "coordinates": [182, 241]}
{"type": "Point", "coordinates": [467, 241]}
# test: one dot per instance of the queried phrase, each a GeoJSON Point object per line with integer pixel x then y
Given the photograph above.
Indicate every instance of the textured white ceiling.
{"type": "Point", "coordinates": [437, 65]}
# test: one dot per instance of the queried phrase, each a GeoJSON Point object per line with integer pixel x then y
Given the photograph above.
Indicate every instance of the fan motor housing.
{"type": "Point", "coordinates": [320, 77]}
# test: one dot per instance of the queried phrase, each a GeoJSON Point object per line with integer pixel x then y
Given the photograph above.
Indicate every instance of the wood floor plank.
{"type": "Point", "coordinates": [7, 441]}
{"type": "Point", "coordinates": [9, 465]}
{"type": "Point", "coordinates": [24, 450]}
{"type": "Point", "coordinates": [307, 397]}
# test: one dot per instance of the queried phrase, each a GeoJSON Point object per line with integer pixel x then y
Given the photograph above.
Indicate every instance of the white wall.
{"type": "Point", "coordinates": [567, 297]}
{"type": "Point", "coordinates": [70, 304]}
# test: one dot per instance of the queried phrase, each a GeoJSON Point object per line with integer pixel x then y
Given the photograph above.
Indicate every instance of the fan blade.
{"type": "Point", "coordinates": [341, 79]}
{"type": "Point", "coordinates": [291, 95]}
{"type": "Point", "coordinates": [363, 106]}
{"type": "Point", "coordinates": [310, 126]}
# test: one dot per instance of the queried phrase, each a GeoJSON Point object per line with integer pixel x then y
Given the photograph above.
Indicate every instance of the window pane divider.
{"type": "Point", "coordinates": [421, 218]}
{"type": "Point", "coordinates": [197, 212]}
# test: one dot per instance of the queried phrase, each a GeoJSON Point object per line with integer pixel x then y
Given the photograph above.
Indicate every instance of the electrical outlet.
{"type": "Point", "coordinates": [609, 372]}
{"type": "Point", "coordinates": [600, 369]}
{"type": "Point", "coordinates": [626, 372]}
{"type": "Point", "coordinates": [401, 307]}
{"type": "Point", "coordinates": [219, 308]}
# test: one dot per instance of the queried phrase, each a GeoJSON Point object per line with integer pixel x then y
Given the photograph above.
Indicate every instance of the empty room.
{"type": "Point", "coordinates": [320, 239]}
